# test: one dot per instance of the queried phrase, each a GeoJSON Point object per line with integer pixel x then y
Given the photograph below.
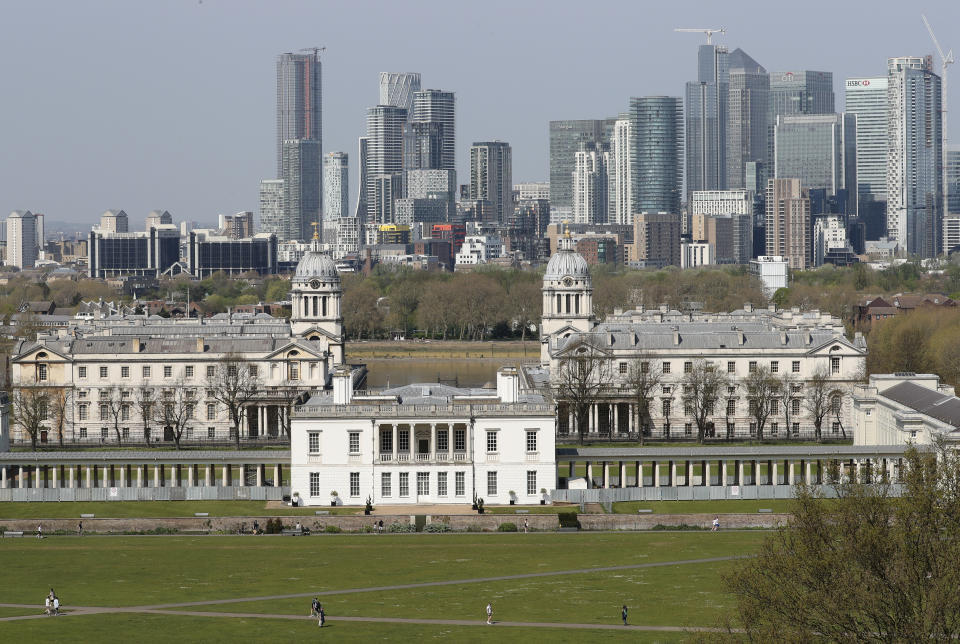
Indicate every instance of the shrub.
{"type": "Point", "coordinates": [682, 526]}
{"type": "Point", "coordinates": [401, 527]}
{"type": "Point", "coordinates": [437, 527]}
{"type": "Point", "coordinates": [568, 520]}
{"type": "Point", "coordinates": [507, 527]}
{"type": "Point", "coordinates": [473, 527]}
{"type": "Point", "coordinates": [332, 529]}
{"type": "Point", "coordinates": [273, 526]}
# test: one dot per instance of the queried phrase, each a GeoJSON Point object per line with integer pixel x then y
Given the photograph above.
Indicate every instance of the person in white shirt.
{"type": "Point", "coordinates": [489, 614]}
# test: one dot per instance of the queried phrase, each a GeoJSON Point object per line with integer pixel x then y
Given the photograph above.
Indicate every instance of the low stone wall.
{"type": "Point", "coordinates": [353, 523]}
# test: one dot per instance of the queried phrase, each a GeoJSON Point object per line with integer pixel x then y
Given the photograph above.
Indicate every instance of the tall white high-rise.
{"type": "Point", "coordinates": [914, 156]}
{"type": "Point", "coordinates": [271, 207]}
{"type": "Point", "coordinates": [336, 194]}
{"type": "Point", "coordinates": [491, 176]}
{"type": "Point", "coordinates": [21, 239]}
{"type": "Point", "coordinates": [437, 106]}
{"type": "Point", "coordinates": [590, 192]}
{"type": "Point", "coordinates": [397, 88]}
{"type": "Point", "coordinates": [866, 98]}
{"type": "Point", "coordinates": [620, 172]}
{"type": "Point", "coordinates": [384, 162]}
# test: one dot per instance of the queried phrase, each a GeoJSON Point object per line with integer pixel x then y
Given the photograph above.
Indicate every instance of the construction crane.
{"type": "Point", "coordinates": [709, 32]}
{"type": "Point", "coordinates": [315, 50]}
{"type": "Point", "coordinates": [945, 61]}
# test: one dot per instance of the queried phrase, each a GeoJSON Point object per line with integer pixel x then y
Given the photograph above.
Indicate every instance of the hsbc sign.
{"type": "Point", "coordinates": [864, 82]}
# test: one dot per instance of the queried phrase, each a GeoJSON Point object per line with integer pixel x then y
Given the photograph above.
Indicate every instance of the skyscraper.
{"type": "Point", "coordinates": [336, 196]}
{"type": "Point", "coordinates": [437, 106]}
{"type": "Point", "coordinates": [706, 120]}
{"type": "Point", "coordinates": [866, 98]}
{"type": "Point", "coordinates": [914, 156]}
{"type": "Point", "coordinates": [748, 116]}
{"type": "Point", "coordinates": [21, 239]}
{"type": "Point", "coordinates": [657, 123]}
{"type": "Point", "coordinates": [301, 190]}
{"type": "Point", "coordinates": [788, 227]}
{"type": "Point", "coordinates": [384, 163]}
{"type": "Point", "coordinates": [299, 108]}
{"type": "Point", "coordinates": [590, 178]}
{"type": "Point", "coordinates": [491, 176]}
{"type": "Point", "coordinates": [362, 161]}
{"type": "Point", "coordinates": [820, 150]}
{"type": "Point", "coordinates": [271, 207]}
{"type": "Point", "coordinates": [397, 88]}
{"type": "Point", "coordinates": [801, 92]}
{"type": "Point", "coordinates": [565, 138]}
{"type": "Point", "coordinates": [953, 180]}
{"type": "Point", "coordinates": [620, 174]}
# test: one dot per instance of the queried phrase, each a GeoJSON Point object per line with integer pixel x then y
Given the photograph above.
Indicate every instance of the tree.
{"type": "Point", "coordinates": [175, 410]}
{"type": "Point", "coordinates": [526, 304]}
{"type": "Point", "coordinates": [59, 399]}
{"type": "Point", "coordinates": [786, 394]}
{"type": "Point", "coordinates": [642, 379]}
{"type": "Point", "coordinates": [146, 406]}
{"type": "Point", "coordinates": [581, 375]}
{"type": "Point", "coordinates": [762, 390]}
{"type": "Point", "coordinates": [234, 384]}
{"type": "Point", "coordinates": [29, 411]}
{"type": "Point", "coordinates": [868, 567]}
{"type": "Point", "coordinates": [361, 315]}
{"type": "Point", "coordinates": [118, 407]}
{"type": "Point", "coordinates": [702, 387]}
{"type": "Point", "coordinates": [817, 399]}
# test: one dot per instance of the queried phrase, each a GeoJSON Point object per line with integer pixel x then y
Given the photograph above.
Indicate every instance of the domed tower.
{"type": "Point", "coordinates": [315, 292]}
{"type": "Point", "coordinates": [567, 296]}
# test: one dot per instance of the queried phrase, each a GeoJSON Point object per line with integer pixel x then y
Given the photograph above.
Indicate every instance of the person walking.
{"type": "Point", "coordinates": [314, 604]}
{"type": "Point", "coordinates": [526, 525]}
{"type": "Point", "coordinates": [489, 614]}
{"type": "Point", "coordinates": [80, 529]}
{"type": "Point", "coordinates": [46, 605]}
{"type": "Point", "coordinates": [716, 524]}
{"type": "Point", "coordinates": [380, 526]}
{"type": "Point", "coordinates": [323, 615]}
{"type": "Point", "coordinates": [40, 533]}
{"type": "Point", "coordinates": [56, 605]}
{"type": "Point", "coordinates": [623, 614]}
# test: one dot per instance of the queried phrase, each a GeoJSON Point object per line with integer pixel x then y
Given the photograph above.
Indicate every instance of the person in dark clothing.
{"type": "Point", "coordinates": [623, 614]}
{"type": "Point", "coordinates": [323, 615]}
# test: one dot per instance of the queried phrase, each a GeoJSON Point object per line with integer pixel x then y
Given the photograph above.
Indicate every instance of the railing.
{"type": "Point", "coordinates": [439, 457]}
{"type": "Point", "coordinates": [533, 457]}
{"type": "Point", "coordinates": [423, 458]}
{"type": "Point", "coordinates": [459, 409]}
{"type": "Point", "coordinates": [403, 456]}
{"type": "Point", "coordinates": [386, 457]}
{"type": "Point", "coordinates": [493, 457]}
{"type": "Point", "coordinates": [459, 457]}
{"type": "Point", "coordinates": [442, 457]}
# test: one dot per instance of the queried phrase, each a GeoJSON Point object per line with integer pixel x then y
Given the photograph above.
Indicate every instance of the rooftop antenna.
{"type": "Point", "coordinates": [316, 50]}
{"type": "Point", "coordinates": [945, 61]}
{"type": "Point", "coordinates": [709, 32]}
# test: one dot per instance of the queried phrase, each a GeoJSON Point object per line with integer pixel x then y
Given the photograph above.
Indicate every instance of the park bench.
{"type": "Point", "coordinates": [322, 512]}
{"type": "Point", "coordinates": [201, 514]}
{"type": "Point", "coordinates": [765, 510]}
{"type": "Point", "coordinates": [86, 516]}
{"type": "Point", "coordinates": [644, 511]}
{"type": "Point", "coordinates": [13, 533]}
{"type": "Point", "coordinates": [523, 511]}
{"type": "Point", "coordinates": [296, 533]}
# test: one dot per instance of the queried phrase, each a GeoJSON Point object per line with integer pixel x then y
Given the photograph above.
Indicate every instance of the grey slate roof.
{"type": "Point", "coordinates": [134, 456]}
{"type": "Point", "coordinates": [701, 335]}
{"type": "Point", "coordinates": [926, 401]}
{"type": "Point", "coordinates": [430, 393]}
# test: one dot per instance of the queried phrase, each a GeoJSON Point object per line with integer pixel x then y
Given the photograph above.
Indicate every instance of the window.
{"type": "Point", "coordinates": [753, 366]}
{"type": "Point", "coordinates": [104, 412]}
{"type": "Point", "coordinates": [834, 365]}
{"type": "Point", "coordinates": [211, 432]}
{"type": "Point", "coordinates": [666, 408]}
{"type": "Point", "coordinates": [666, 367]}
{"type": "Point", "coordinates": [354, 442]}
{"type": "Point", "coordinates": [531, 440]}
{"type": "Point", "coordinates": [188, 371]}
{"type": "Point", "coordinates": [794, 406]}
{"type": "Point", "coordinates": [354, 483]}
{"type": "Point", "coordinates": [386, 442]}
{"type": "Point", "coordinates": [404, 483]}
{"type": "Point", "coordinates": [491, 442]}
{"type": "Point", "coordinates": [460, 439]}
{"type": "Point", "coordinates": [190, 411]}
{"type": "Point", "coordinates": [125, 393]}
{"type": "Point", "coordinates": [314, 483]}
{"type": "Point", "coordinates": [441, 484]}
{"type": "Point", "coordinates": [83, 372]}
{"type": "Point", "coordinates": [774, 428]}
{"type": "Point", "coordinates": [688, 429]}
{"type": "Point", "coordinates": [103, 373]}
{"type": "Point", "coordinates": [211, 411]}
{"type": "Point", "coordinates": [294, 371]}
{"type": "Point", "coordinates": [491, 483]}
{"type": "Point", "coordinates": [774, 366]}
{"type": "Point", "coordinates": [644, 367]}
{"type": "Point", "coordinates": [623, 367]}
{"type": "Point", "coordinates": [167, 371]}
{"type": "Point", "coordinates": [104, 432]}
{"type": "Point", "coordinates": [731, 367]}
{"type": "Point", "coordinates": [386, 484]}
{"type": "Point", "coordinates": [403, 440]}
{"type": "Point", "coordinates": [796, 429]}
{"type": "Point", "coordinates": [753, 429]}
{"type": "Point", "coordinates": [795, 367]}
{"type": "Point", "coordinates": [146, 372]}
{"type": "Point", "coordinates": [82, 393]}
{"type": "Point", "coordinates": [211, 371]}
{"type": "Point", "coordinates": [254, 371]}
{"type": "Point", "coordinates": [731, 407]}
{"type": "Point", "coordinates": [125, 412]}
{"type": "Point", "coordinates": [835, 403]}
{"type": "Point", "coordinates": [666, 429]}
{"type": "Point", "coordinates": [774, 406]}
{"type": "Point", "coordinates": [82, 412]}
{"type": "Point", "coordinates": [126, 433]}
{"type": "Point", "coordinates": [687, 408]}
{"type": "Point", "coordinates": [687, 367]}
{"type": "Point", "coordinates": [83, 432]}
{"type": "Point", "coordinates": [423, 483]}
{"type": "Point", "coordinates": [460, 483]}
{"type": "Point", "coordinates": [211, 393]}
{"type": "Point", "coordinates": [41, 372]}
{"type": "Point", "coordinates": [531, 482]}
{"type": "Point", "coordinates": [667, 389]}
{"type": "Point", "coordinates": [313, 442]}
{"type": "Point", "coordinates": [232, 371]}
{"type": "Point", "coordinates": [443, 440]}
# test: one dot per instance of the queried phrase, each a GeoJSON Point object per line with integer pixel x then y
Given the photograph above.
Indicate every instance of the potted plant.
{"type": "Point", "coordinates": [513, 497]}
{"type": "Point", "coordinates": [479, 506]}
{"type": "Point", "coordinates": [369, 507]}
{"type": "Point", "coordinates": [333, 498]}
{"type": "Point", "coordinates": [543, 491]}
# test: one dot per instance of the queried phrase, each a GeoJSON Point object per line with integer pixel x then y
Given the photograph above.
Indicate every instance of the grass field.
{"type": "Point", "coordinates": [147, 571]}
{"type": "Point", "coordinates": [151, 509]}
{"type": "Point", "coordinates": [731, 506]}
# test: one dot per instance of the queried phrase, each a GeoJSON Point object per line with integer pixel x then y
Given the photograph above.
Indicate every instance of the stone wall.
{"type": "Point", "coordinates": [354, 523]}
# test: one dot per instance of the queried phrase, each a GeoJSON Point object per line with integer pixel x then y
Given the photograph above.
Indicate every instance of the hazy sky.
{"type": "Point", "coordinates": [171, 104]}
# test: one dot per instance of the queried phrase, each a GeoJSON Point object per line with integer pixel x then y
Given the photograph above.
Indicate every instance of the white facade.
{"type": "Point", "coordinates": [423, 444]}
{"type": "Point", "coordinates": [620, 173]}
{"type": "Point", "coordinates": [895, 409]}
{"type": "Point", "coordinates": [721, 202]}
{"type": "Point", "coordinates": [590, 198]}
{"type": "Point", "coordinates": [867, 99]}
{"type": "Point", "coordinates": [951, 232]}
{"type": "Point", "coordinates": [773, 272]}
{"type": "Point", "coordinates": [693, 254]}
{"type": "Point", "coordinates": [336, 194]}
{"type": "Point", "coordinates": [829, 232]}
{"type": "Point", "coordinates": [479, 249]}
{"type": "Point", "coordinates": [21, 239]}
{"type": "Point", "coordinates": [532, 190]}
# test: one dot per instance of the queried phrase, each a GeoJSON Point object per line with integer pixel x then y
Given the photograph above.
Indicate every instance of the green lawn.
{"type": "Point", "coordinates": [745, 443]}
{"type": "Point", "coordinates": [10, 611]}
{"type": "Point", "coordinates": [148, 509]}
{"type": "Point", "coordinates": [733, 506]}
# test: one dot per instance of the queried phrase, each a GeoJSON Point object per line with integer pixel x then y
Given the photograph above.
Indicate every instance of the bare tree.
{"type": "Point", "coordinates": [837, 394]}
{"type": "Point", "coordinates": [817, 399]}
{"type": "Point", "coordinates": [642, 379]}
{"type": "Point", "coordinates": [146, 406]}
{"type": "Point", "coordinates": [117, 407]}
{"type": "Point", "coordinates": [29, 410]}
{"type": "Point", "coordinates": [60, 409]}
{"type": "Point", "coordinates": [786, 385]}
{"type": "Point", "coordinates": [762, 389]}
{"type": "Point", "coordinates": [581, 375]}
{"type": "Point", "coordinates": [235, 384]}
{"type": "Point", "coordinates": [175, 410]}
{"type": "Point", "coordinates": [702, 388]}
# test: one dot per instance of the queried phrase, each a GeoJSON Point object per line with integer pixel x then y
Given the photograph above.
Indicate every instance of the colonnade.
{"type": "Point", "coordinates": [136, 475]}
{"type": "Point", "coordinates": [443, 442]}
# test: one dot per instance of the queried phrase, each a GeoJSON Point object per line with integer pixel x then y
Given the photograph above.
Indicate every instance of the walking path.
{"type": "Point", "coordinates": [170, 609]}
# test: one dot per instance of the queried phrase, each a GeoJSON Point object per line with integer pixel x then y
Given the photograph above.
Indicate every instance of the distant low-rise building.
{"type": "Point", "coordinates": [209, 253]}
{"type": "Point", "coordinates": [147, 253]}
{"type": "Point", "coordinates": [899, 408]}
{"type": "Point", "coordinates": [773, 272]}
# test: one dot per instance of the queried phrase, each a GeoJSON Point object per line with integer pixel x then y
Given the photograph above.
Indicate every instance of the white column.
{"type": "Point", "coordinates": [123, 476]}
{"type": "Point", "coordinates": [808, 473]}
{"type": "Point", "coordinates": [20, 478]}
{"type": "Point", "coordinates": [723, 473]}
{"type": "Point", "coordinates": [276, 475]}
{"type": "Point", "coordinates": [208, 475]}
{"type": "Point", "coordinates": [156, 476]}
{"type": "Point", "coordinates": [774, 473]}
{"type": "Point", "coordinates": [656, 474]}
{"type": "Point", "coordinates": [856, 469]}
{"type": "Point", "coordinates": [606, 475]}
{"type": "Point", "coordinates": [589, 474]}
{"type": "Point", "coordinates": [616, 419]}
{"type": "Point", "coordinates": [74, 474]}
{"type": "Point", "coordinates": [396, 446]}
{"type": "Point", "coordinates": [623, 474]}
{"type": "Point", "coordinates": [190, 479]}
{"type": "Point", "coordinates": [3, 477]}
{"type": "Point", "coordinates": [433, 442]}
{"type": "Point", "coordinates": [140, 475]}
{"type": "Point", "coordinates": [259, 475]}
{"type": "Point", "coordinates": [739, 472]}
{"type": "Point", "coordinates": [88, 476]}
{"type": "Point", "coordinates": [225, 474]}
{"type": "Point", "coordinates": [55, 478]}
{"type": "Point", "coordinates": [706, 473]}
{"type": "Point", "coordinates": [789, 472]}
{"type": "Point", "coordinates": [639, 467]}
{"type": "Point", "coordinates": [673, 473]}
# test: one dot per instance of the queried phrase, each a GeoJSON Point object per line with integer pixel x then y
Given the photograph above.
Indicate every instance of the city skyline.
{"type": "Point", "coordinates": [208, 137]}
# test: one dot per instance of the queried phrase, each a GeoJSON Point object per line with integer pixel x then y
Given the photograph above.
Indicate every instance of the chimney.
{"type": "Point", "coordinates": [741, 338]}
{"type": "Point", "coordinates": [676, 335]}
{"type": "Point", "coordinates": [783, 337]}
{"type": "Point", "coordinates": [748, 307]}
{"type": "Point", "coordinates": [135, 343]}
{"type": "Point", "coordinates": [200, 347]}
{"type": "Point", "coordinates": [508, 384]}
{"type": "Point", "coordinates": [342, 385]}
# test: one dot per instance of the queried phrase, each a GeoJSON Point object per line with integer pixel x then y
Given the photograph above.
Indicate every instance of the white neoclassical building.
{"type": "Point", "coordinates": [106, 368]}
{"type": "Point", "coordinates": [423, 443]}
{"type": "Point", "coordinates": [899, 408]}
